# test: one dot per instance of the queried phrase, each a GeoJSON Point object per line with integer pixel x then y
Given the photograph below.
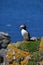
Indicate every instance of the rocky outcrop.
{"type": "Point", "coordinates": [41, 45]}
{"type": "Point", "coordinates": [17, 56]}
{"type": "Point", "coordinates": [4, 39]}
{"type": "Point", "coordinates": [19, 53]}
{"type": "Point", "coordinates": [33, 38]}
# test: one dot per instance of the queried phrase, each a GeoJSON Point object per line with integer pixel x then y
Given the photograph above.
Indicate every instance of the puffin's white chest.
{"type": "Point", "coordinates": [24, 34]}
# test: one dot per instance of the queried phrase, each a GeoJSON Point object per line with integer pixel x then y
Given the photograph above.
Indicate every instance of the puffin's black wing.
{"type": "Point", "coordinates": [29, 35]}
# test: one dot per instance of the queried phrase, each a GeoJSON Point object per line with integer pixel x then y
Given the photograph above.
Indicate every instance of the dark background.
{"type": "Point", "coordinates": [13, 13]}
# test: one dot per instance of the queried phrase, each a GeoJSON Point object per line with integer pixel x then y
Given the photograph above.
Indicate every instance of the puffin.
{"type": "Point", "coordinates": [25, 34]}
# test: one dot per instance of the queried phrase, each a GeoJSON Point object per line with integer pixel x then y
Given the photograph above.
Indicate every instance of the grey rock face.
{"type": "Point", "coordinates": [4, 39]}
{"type": "Point", "coordinates": [3, 59]}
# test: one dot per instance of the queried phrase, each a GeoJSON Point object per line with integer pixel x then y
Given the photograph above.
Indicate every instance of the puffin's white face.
{"type": "Point", "coordinates": [22, 27]}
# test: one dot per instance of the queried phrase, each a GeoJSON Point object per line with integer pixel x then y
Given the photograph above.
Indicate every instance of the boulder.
{"type": "Point", "coordinates": [33, 38]}
{"type": "Point", "coordinates": [4, 39]}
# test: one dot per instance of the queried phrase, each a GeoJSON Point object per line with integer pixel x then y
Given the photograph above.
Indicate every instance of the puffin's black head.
{"type": "Point", "coordinates": [23, 27]}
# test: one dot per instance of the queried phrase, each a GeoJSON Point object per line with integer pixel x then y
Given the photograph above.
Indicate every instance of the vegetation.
{"type": "Point", "coordinates": [30, 46]}
{"type": "Point", "coordinates": [22, 51]}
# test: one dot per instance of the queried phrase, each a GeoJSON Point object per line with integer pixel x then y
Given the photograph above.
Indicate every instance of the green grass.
{"type": "Point", "coordinates": [31, 46]}
{"type": "Point", "coordinates": [35, 58]}
{"type": "Point", "coordinates": [31, 63]}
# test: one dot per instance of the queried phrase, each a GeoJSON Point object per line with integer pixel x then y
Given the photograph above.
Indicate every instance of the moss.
{"type": "Point", "coordinates": [35, 56]}
{"type": "Point", "coordinates": [31, 63]}
{"type": "Point", "coordinates": [31, 46]}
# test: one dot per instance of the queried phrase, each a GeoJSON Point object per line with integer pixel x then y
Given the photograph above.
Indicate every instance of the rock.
{"type": "Point", "coordinates": [3, 52]}
{"type": "Point", "coordinates": [4, 39]}
{"type": "Point", "coordinates": [33, 38]}
{"type": "Point", "coordinates": [38, 63]}
{"type": "Point", "coordinates": [2, 56]}
{"type": "Point", "coordinates": [40, 58]}
{"type": "Point", "coordinates": [41, 45]}
{"type": "Point", "coordinates": [1, 59]}
{"type": "Point", "coordinates": [41, 62]}
{"type": "Point", "coordinates": [14, 58]}
{"type": "Point", "coordinates": [28, 58]}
